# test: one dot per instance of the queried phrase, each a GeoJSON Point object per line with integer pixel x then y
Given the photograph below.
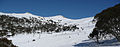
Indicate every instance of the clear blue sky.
{"type": "Point", "coordinates": [73, 9]}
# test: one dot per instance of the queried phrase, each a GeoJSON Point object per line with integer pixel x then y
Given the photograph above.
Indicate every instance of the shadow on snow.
{"type": "Point", "coordinates": [112, 42]}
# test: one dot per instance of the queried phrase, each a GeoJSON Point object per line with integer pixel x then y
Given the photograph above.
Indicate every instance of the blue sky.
{"type": "Point", "coordinates": [73, 9]}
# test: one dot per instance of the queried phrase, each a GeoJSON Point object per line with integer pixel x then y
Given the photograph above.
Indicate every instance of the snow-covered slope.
{"type": "Point", "coordinates": [78, 38]}
{"type": "Point", "coordinates": [62, 39]}
{"type": "Point", "coordinates": [20, 15]}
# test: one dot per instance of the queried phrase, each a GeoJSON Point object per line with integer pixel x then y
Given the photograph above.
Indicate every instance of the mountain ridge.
{"type": "Point", "coordinates": [27, 15]}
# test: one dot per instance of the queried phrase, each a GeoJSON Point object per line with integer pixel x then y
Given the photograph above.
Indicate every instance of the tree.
{"type": "Point", "coordinates": [108, 23]}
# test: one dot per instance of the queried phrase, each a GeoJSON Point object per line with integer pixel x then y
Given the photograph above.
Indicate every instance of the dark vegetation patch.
{"type": "Point", "coordinates": [107, 24]}
{"type": "Point", "coordinates": [13, 25]}
{"type": "Point", "coordinates": [4, 42]}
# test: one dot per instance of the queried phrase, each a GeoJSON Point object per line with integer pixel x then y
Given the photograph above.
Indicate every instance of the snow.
{"type": "Point", "coordinates": [78, 38]}
{"type": "Point", "coordinates": [20, 15]}
{"type": "Point", "coordinates": [62, 39]}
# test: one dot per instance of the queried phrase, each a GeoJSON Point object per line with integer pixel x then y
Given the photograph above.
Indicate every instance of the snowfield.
{"type": "Point", "coordinates": [78, 38]}
{"type": "Point", "coordinates": [62, 39]}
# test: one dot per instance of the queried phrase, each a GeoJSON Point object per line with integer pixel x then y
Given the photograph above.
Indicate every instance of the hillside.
{"type": "Point", "coordinates": [66, 35]}
{"type": "Point", "coordinates": [63, 38]}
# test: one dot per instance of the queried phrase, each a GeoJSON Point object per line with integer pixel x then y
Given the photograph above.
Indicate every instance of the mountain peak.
{"type": "Point", "coordinates": [59, 16]}
{"type": "Point", "coordinates": [28, 13]}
